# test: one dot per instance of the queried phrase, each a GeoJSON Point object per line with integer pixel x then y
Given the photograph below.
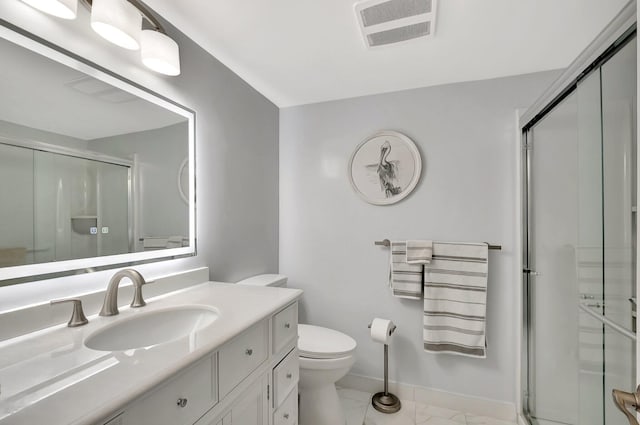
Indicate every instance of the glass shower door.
{"type": "Point", "coordinates": [580, 285]}
{"type": "Point", "coordinates": [618, 80]}
{"type": "Point", "coordinates": [553, 339]}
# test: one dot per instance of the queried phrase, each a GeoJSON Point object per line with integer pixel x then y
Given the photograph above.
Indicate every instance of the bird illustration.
{"type": "Point", "coordinates": [388, 172]}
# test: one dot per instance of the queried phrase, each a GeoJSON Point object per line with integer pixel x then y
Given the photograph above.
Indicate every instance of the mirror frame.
{"type": "Point", "coordinates": [34, 272]}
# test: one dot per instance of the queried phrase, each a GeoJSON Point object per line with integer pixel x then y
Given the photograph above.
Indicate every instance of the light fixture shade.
{"type": "Point", "coordinates": [65, 9]}
{"type": "Point", "coordinates": [118, 21]}
{"type": "Point", "coordinates": [160, 53]}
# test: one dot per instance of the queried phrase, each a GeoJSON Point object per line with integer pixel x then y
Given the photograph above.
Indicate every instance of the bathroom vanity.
{"type": "Point", "coordinates": [211, 354]}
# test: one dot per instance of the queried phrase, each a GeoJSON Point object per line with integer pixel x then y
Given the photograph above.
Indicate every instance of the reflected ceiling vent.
{"type": "Point", "coordinates": [385, 22]}
{"type": "Point", "coordinates": [100, 90]}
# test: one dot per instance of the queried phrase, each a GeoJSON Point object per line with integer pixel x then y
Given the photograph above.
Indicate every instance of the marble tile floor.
{"type": "Point", "coordinates": [358, 410]}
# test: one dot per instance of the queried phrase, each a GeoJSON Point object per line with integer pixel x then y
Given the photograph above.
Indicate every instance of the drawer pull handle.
{"type": "Point", "coordinates": [182, 402]}
{"type": "Point", "coordinates": [289, 376]}
{"type": "Point", "coordinates": [249, 351]}
{"type": "Point", "coordinates": [286, 416]}
{"type": "Point", "coordinates": [287, 325]}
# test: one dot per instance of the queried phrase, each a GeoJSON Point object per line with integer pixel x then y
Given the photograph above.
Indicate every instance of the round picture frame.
{"type": "Point", "coordinates": [183, 180]}
{"type": "Point", "coordinates": [385, 168]}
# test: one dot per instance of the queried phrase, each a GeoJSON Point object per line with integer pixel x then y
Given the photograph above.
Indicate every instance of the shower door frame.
{"type": "Point", "coordinates": [607, 43]}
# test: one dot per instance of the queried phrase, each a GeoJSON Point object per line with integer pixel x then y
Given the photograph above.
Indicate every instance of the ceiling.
{"type": "Point", "coordinates": [40, 93]}
{"type": "Point", "coordinates": [306, 51]}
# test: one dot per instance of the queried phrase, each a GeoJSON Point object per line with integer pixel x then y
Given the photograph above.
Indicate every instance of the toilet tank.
{"type": "Point", "coordinates": [265, 280]}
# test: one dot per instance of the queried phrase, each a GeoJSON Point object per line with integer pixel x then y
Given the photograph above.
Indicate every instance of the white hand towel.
{"type": "Point", "coordinates": [455, 295]}
{"type": "Point", "coordinates": [405, 279]}
{"type": "Point", "coordinates": [419, 252]}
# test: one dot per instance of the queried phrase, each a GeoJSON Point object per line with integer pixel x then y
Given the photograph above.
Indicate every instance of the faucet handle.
{"type": "Point", "coordinates": [77, 317]}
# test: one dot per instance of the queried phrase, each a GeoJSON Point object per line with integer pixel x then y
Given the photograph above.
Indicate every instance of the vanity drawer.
{"type": "Point", "coordinates": [285, 327]}
{"type": "Point", "coordinates": [241, 356]}
{"type": "Point", "coordinates": [287, 413]}
{"type": "Point", "coordinates": [285, 377]}
{"type": "Point", "coordinates": [181, 401]}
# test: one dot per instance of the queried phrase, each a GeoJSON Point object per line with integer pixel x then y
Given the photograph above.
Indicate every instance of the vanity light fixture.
{"type": "Point", "coordinates": [117, 21]}
{"type": "Point", "coordinates": [159, 52]}
{"type": "Point", "coordinates": [65, 9]}
{"type": "Point", "coordinates": [126, 23]}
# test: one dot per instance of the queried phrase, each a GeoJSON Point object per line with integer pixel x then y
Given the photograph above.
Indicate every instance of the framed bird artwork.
{"type": "Point", "coordinates": [385, 168]}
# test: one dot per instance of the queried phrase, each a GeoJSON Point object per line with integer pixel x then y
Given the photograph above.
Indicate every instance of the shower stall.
{"type": "Point", "coordinates": [580, 207]}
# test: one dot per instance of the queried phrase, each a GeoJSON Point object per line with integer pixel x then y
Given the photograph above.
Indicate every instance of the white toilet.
{"type": "Point", "coordinates": [326, 356]}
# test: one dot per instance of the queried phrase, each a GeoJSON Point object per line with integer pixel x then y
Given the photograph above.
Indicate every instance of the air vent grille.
{"type": "Point", "coordinates": [385, 22]}
{"type": "Point", "coordinates": [397, 35]}
{"type": "Point", "coordinates": [394, 10]}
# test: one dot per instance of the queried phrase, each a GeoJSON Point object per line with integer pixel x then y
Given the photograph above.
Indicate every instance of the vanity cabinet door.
{"type": "Point", "coordinates": [241, 356]}
{"type": "Point", "coordinates": [285, 377]}
{"type": "Point", "coordinates": [251, 407]}
{"type": "Point", "coordinates": [287, 413]}
{"type": "Point", "coordinates": [285, 328]}
{"type": "Point", "coordinates": [181, 401]}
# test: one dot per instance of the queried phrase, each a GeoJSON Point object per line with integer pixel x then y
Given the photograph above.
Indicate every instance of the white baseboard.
{"type": "Point", "coordinates": [468, 404]}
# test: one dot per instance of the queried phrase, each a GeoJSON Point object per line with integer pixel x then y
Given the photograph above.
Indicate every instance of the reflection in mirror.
{"type": "Point", "coordinates": [88, 167]}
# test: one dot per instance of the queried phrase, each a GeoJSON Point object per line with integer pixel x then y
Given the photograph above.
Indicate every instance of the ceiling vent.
{"type": "Point", "coordinates": [385, 22]}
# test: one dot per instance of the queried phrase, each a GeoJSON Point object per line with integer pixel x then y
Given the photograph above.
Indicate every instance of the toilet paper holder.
{"type": "Point", "coordinates": [391, 329]}
{"type": "Point", "coordinates": [384, 401]}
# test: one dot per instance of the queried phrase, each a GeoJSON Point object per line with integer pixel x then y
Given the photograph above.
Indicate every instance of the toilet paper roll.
{"type": "Point", "coordinates": [381, 330]}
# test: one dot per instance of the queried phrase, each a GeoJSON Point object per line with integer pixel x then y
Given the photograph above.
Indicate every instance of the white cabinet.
{"type": "Point", "coordinates": [242, 355]}
{"type": "Point", "coordinates": [285, 377]}
{"type": "Point", "coordinates": [287, 412]}
{"type": "Point", "coordinates": [251, 408]}
{"type": "Point", "coordinates": [285, 328]}
{"type": "Point", "coordinates": [250, 380]}
{"type": "Point", "coordinates": [180, 401]}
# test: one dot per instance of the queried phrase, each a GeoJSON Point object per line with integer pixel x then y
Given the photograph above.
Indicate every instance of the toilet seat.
{"type": "Point", "coordinates": [316, 342]}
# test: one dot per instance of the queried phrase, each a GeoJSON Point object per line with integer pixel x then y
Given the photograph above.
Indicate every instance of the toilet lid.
{"type": "Point", "coordinates": [316, 342]}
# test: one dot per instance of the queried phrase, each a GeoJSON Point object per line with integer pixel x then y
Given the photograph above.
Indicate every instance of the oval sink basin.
{"type": "Point", "coordinates": [152, 328]}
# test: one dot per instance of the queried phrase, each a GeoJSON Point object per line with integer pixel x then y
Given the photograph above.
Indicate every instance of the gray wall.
{"type": "Point", "coordinates": [236, 148]}
{"type": "Point", "coordinates": [467, 137]}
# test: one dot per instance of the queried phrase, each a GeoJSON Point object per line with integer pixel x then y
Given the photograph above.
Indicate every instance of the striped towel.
{"type": "Point", "coordinates": [419, 252]}
{"type": "Point", "coordinates": [405, 280]}
{"type": "Point", "coordinates": [455, 294]}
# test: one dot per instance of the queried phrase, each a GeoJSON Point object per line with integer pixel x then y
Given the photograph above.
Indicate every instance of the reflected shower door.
{"type": "Point", "coordinates": [81, 207]}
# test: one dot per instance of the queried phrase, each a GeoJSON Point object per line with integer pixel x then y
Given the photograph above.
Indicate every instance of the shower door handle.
{"type": "Point", "coordinates": [622, 399]}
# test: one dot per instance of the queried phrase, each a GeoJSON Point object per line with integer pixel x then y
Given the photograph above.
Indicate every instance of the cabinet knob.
{"type": "Point", "coordinates": [286, 416]}
{"type": "Point", "coordinates": [287, 325]}
{"type": "Point", "coordinates": [289, 376]}
{"type": "Point", "coordinates": [249, 351]}
{"type": "Point", "coordinates": [182, 402]}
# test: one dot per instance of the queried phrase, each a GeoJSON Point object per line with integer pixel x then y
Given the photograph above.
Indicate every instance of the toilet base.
{"type": "Point", "coordinates": [385, 403]}
{"type": "Point", "coordinates": [321, 406]}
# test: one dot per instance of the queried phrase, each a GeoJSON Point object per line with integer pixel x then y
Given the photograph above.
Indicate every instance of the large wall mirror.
{"type": "Point", "coordinates": [88, 167]}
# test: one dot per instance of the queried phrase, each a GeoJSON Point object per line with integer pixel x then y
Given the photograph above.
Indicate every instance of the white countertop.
{"type": "Point", "coordinates": [50, 377]}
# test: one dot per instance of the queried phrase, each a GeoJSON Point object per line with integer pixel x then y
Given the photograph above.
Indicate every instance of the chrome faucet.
{"type": "Point", "coordinates": [110, 305]}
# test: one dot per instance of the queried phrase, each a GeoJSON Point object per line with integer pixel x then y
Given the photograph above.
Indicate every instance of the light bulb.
{"type": "Point", "coordinates": [117, 21]}
{"type": "Point", "coordinates": [65, 9]}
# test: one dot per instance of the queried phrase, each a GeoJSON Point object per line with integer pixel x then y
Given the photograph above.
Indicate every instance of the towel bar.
{"type": "Point", "coordinates": [387, 243]}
